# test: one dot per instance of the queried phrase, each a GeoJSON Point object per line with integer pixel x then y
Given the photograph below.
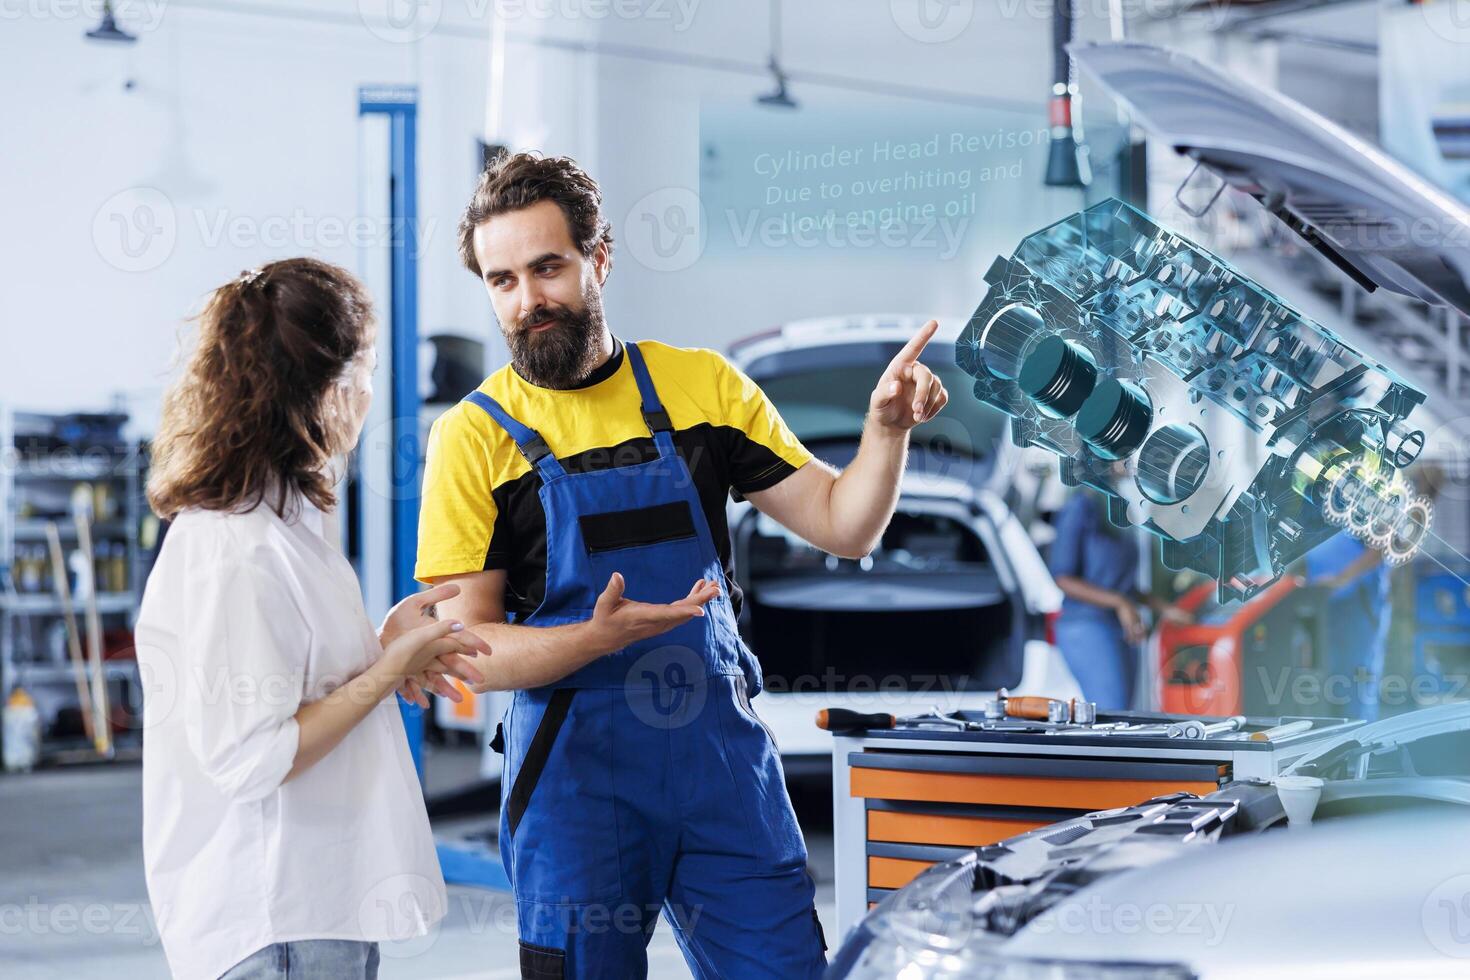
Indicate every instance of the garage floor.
{"type": "Point", "coordinates": [73, 902]}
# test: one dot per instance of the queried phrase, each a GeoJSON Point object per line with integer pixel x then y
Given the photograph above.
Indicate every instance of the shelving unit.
{"type": "Point", "coordinates": [40, 472]}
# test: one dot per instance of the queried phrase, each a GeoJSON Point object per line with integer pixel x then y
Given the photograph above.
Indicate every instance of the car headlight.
{"type": "Point", "coordinates": [939, 928]}
{"type": "Point", "coordinates": [885, 961]}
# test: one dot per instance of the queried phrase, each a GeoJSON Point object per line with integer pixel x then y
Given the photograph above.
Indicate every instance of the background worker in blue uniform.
{"type": "Point", "coordinates": [1095, 564]}
{"type": "Point", "coordinates": [578, 499]}
{"type": "Point", "coordinates": [1355, 624]}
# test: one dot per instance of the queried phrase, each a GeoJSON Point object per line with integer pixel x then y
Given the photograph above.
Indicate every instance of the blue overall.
{"type": "Point", "coordinates": [1356, 629]}
{"type": "Point", "coordinates": [1090, 637]}
{"type": "Point", "coordinates": [644, 782]}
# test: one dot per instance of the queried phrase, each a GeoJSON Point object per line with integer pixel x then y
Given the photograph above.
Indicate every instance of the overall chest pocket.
{"type": "Point", "coordinates": [657, 549]}
{"type": "Point", "coordinates": [615, 530]}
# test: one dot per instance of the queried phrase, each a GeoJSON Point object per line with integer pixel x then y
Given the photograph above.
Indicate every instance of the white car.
{"type": "Point", "coordinates": [952, 604]}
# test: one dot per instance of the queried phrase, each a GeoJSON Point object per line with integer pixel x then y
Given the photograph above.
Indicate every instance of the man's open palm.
{"type": "Point", "coordinates": [620, 621]}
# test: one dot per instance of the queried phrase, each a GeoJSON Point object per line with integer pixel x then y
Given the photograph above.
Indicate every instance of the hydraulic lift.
{"type": "Point", "coordinates": [381, 495]}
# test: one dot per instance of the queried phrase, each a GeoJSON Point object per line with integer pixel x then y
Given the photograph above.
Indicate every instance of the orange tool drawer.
{"type": "Point", "coordinates": [1028, 781]}
{"type": "Point", "coordinates": [926, 807]}
{"type": "Point", "coordinates": [887, 872]}
{"type": "Point", "coordinates": [954, 829]}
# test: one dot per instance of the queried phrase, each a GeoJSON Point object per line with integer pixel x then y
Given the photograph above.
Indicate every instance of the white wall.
{"type": "Point", "coordinates": [635, 124]}
{"type": "Point", "coordinates": [244, 119]}
{"type": "Point", "coordinates": [245, 128]}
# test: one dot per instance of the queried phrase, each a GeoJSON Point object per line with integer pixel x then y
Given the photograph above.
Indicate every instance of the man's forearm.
{"type": "Point", "coordinates": [1365, 562]}
{"type": "Point", "coordinates": [1094, 595]}
{"type": "Point", "coordinates": [534, 656]}
{"type": "Point", "coordinates": [864, 495]}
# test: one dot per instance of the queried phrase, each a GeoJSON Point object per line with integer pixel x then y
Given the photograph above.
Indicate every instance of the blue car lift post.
{"type": "Point", "coordinates": [462, 863]}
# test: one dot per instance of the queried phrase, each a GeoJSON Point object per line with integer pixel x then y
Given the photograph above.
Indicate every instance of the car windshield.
{"type": "Point", "coordinates": [825, 401]}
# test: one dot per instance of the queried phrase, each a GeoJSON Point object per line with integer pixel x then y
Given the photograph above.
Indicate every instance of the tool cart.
{"type": "Point", "coordinates": [910, 792]}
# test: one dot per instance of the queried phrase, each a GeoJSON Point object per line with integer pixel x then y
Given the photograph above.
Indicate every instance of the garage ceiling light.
{"type": "Point", "coordinates": [108, 29]}
{"type": "Point", "coordinates": [780, 98]}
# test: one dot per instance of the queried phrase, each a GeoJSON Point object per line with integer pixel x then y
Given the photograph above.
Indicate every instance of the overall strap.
{"type": "Point", "coordinates": [527, 439]}
{"type": "Point", "coordinates": [654, 415]}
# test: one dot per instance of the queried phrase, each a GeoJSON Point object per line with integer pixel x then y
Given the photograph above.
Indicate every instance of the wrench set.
{"type": "Point", "coordinates": [1043, 716]}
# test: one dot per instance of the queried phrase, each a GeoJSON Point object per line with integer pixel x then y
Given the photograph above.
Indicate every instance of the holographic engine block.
{"type": "Point", "coordinates": [1210, 412]}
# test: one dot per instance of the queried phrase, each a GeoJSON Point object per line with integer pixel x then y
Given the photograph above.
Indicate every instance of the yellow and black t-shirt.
{"type": "Point", "coordinates": [481, 503]}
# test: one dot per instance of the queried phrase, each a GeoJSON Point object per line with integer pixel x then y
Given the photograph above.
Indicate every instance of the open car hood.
{"type": "Point", "coordinates": [1352, 750]}
{"type": "Point", "coordinates": [1375, 219]}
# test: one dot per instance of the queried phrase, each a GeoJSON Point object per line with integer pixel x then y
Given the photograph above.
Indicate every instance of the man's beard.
{"type": "Point", "coordinates": [561, 355]}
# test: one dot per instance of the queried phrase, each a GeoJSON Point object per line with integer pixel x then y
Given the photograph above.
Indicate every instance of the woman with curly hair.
{"type": "Point", "coordinates": [284, 827]}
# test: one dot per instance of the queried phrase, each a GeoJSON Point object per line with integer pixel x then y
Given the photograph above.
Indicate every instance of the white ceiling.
{"type": "Point", "coordinates": [992, 49]}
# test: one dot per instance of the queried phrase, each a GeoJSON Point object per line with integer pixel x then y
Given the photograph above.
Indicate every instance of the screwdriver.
{"type": "Point", "coordinates": [846, 720]}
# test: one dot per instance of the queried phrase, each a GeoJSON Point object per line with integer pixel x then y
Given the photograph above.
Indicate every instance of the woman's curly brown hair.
{"type": "Point", "coordinates": [249, 421]}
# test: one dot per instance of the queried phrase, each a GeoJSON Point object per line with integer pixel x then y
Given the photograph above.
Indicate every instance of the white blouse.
{"type": "Point", "coordinates": [245, 618]}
